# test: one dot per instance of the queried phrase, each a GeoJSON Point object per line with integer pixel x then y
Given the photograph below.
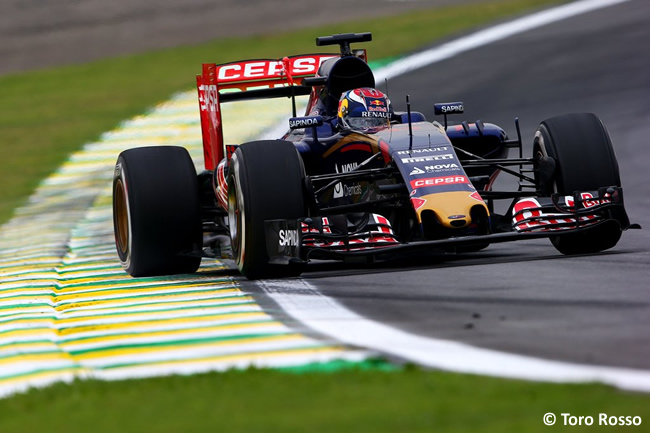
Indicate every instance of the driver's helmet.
{"type": "Point", "coordinates": [364, 109]}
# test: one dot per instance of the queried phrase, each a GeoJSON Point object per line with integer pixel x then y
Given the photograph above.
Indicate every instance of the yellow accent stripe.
{"type": "Point", "coordinates": [454, 203]}
{"type": "Point", "coordinates": [60, 322]}
{"type": "Point", "coordinates": [174, 333]}
{"type": "Point", "coordinates": [171, 348]}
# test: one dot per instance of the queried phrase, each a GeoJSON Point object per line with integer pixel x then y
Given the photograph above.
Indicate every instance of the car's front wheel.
{"type": "Point", "coordinates": [584, 161]}
{"type": "Point", "coordinates": [265, 182]}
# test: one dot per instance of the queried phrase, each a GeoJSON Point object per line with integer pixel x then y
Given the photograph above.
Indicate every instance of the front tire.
{"type": "Point", "coordinates": [584, 161]}
{"type": "Point", "coordinates": [156, 212]}
{"type": "Point", "coordinates": [265, 182]}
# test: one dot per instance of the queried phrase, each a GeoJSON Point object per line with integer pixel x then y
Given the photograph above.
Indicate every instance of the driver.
{"type": "Point", "coordinates": [365, 109]}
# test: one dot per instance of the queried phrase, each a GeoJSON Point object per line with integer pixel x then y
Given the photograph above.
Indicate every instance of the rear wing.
{"type": "Point", "coordinates": [250, 79]}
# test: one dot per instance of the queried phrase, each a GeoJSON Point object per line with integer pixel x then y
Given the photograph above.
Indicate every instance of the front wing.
{"type": "Point", "coordinates": [300, 240]}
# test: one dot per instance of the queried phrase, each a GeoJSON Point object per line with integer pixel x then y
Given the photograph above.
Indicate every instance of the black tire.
{"type": "Point", "coordinates": [156, 212]}
{"type": "Point", "coordinates": [584, 161]}
{"type": "Point", "coordinates": [265, 181]}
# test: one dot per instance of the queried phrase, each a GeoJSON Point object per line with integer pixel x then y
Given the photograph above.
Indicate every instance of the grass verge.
{"type": "Point", "coordinates": [45, 115]}
{"type": "Point", "coordinates": [409, 400]}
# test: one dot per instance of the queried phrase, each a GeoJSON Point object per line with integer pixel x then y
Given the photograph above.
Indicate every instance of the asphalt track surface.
{"type": "Point", "coordinates": [42, 33]}
{"type": "Point", "coordinates": [525, 297]}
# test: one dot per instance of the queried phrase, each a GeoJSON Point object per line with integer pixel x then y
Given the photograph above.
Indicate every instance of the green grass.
{"type": "Point", "coordinates": [45, 115]}
{"type": "Point", "coordinates": [409, 400]}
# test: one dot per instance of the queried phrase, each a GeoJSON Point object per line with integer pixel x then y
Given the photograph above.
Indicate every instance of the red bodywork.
{"type": "Point", "coordinates": [244, 76]}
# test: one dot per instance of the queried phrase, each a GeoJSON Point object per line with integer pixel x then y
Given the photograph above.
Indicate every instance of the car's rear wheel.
{"type": "Point", "coordinates": [584, 160]}
{"type": "Point", "coordinates": [156, 213]}
{"type": "Point", "coordinates": [265, 182]}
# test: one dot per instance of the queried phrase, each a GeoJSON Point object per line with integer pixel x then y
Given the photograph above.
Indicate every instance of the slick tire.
{"type": "Point", "coordinates": [156, 211]}
{"type": "Point", "coordinates": [584, 160]}
{"type": "Point", "coordinates": [265, 181]}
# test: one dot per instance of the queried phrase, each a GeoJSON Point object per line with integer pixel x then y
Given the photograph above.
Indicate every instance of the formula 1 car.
{"type": "Point", "coordinates": [329, 189]}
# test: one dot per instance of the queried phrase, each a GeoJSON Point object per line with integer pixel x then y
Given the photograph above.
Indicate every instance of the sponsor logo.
{"type": "Point", "coordinates": [586, 202]}
{"type": "Point", "coordinates": [344, 168]}
{"type": "Point", "coordinates": [338, 190]}
{"type": "Point", "coordinates": [306, 65]}
{"type": "Point", "coordinates": [435, 181]}
{"type": "Point", "coordinates": [452, 108]}
{"type": "Point", "coordinates": [430, 149]}
{"type": "Point", "coordinates": [440, 167]}
{"type": "Point", "coordinates": [417, 202]}
{"type": "Point", "coordinates": [343, 107]}
{"type": "Point", "coordinates": [434, 168]}
{"type": "Point", "coordinates": [381, 114]}
{"type": "Point", "coordinates": [585, 196]}
{"type": "Point", "coordinates": [476, 196]}
{"type": "Point", "coordinates": [288, 238]}
{"type": "Point", "coordinates": [428, 158]}
{"type": "Point", "coordinates": [202, 105]}
{"type": "Point", "coordinates": [352, 190]}
{"type": "Point", "coordinates": [249, 70]}
{"type": "Point", "coordinates": [449, 108]}
{"type": "Point", "coordinates": [304, 122]}
{"type": "Point", "coordinates": [341, 190]}
{"type": "Point", "coordinates": [208, 97]}
{"type": "Point", "coordinates": [212, 98]}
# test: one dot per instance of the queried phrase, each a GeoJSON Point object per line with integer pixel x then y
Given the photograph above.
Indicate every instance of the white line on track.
{"type": "Point", "coordinates": [472, 41]}
{"type": "Point", "coordinates": [325, 315]}
{"type": "Point", "coordinates": [490, 35]}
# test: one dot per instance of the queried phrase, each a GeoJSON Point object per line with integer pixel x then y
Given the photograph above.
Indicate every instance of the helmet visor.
{"type": "Point", "coordinates": [367, 123]}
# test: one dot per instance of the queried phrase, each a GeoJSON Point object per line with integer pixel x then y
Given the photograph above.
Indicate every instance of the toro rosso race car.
{"type": "Point", "coordinates": [354, 178]}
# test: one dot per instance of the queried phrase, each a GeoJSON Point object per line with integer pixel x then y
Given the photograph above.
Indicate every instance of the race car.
{"type": "Point", "coordinates": [353, 178]}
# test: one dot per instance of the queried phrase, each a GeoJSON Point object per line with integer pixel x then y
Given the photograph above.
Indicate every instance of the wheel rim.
{"type": "Point", "coordinates": [234, 221]}
{"type": "Point", "coordinates": [121, 217]}
{"type": "Point", "coordinates": [540, 151]}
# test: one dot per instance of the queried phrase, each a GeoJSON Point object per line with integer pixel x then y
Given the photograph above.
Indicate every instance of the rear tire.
{"type": "Point", "coordinates": [156, 212]}
{"type": "Point", "coordinates": [584, 161]}
{"type": "Point", "coordinates": [265, 181]}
